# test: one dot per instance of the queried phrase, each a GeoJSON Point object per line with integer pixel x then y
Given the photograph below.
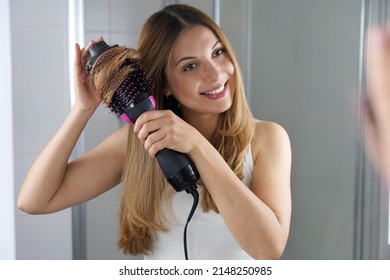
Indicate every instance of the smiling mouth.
{"type": "Point", "coordinates": [214, 91]}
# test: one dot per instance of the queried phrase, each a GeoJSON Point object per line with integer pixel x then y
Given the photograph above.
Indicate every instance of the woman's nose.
{"type": "Point", "coordinates": [212, 72]}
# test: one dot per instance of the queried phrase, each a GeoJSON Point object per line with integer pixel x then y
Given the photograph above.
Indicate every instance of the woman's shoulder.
{"type": "Point", "coordinates": [269, 138]}
{"type": "Point", "coordinates": [268, 128]}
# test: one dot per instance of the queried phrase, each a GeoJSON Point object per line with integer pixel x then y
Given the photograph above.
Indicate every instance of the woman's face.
{"type": "Point", "coordinates": [200, 73]}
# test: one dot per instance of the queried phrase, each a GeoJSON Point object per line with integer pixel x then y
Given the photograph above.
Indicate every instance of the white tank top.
{"type": "Point", "coordinates": [208, 237]}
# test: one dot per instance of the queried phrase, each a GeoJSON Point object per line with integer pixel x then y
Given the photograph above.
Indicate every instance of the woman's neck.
{"type": "Point", "coordinates": [206, 124]}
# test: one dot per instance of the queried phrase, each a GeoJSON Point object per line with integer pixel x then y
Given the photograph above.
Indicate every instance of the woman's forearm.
{"type": "Point", "coordinates": [45, 176]}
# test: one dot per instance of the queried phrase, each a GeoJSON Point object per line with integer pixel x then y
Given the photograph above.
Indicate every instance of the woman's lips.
{"type": "Point", "coordinates": [215, 93]}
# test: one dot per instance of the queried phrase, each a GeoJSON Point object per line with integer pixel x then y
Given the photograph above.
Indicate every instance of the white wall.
{"type": "Point", "coordinates": [7, 210]}
{"type": "Point", "coordinates": [305, 77]}
{"type": "Point", "coordinates": [40, 104]}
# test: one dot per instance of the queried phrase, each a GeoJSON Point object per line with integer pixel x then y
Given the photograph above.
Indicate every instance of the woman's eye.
{"type": "Point", "coordinates": [219, 52]}
{"type": "Point", "coordinates": [189, 67]}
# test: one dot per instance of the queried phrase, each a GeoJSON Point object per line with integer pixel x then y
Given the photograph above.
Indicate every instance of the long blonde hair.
{"type": "Point", "coordinates": [144, 187]}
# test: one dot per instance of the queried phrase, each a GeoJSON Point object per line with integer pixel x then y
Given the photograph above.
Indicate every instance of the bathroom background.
{"type": "Point", "coordinates": [302, 65]}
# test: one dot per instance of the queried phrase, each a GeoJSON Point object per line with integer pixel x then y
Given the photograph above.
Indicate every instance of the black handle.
{"type": "Point", "coordinates": [177, 167]}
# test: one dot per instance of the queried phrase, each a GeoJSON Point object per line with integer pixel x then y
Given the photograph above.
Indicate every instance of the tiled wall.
{"type": "Point", "coordinates": [305, 77]}
{"type": "Point", "coordinates": [40, 104]}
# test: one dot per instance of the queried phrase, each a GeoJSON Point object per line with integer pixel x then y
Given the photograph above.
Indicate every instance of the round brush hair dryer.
{"type": "Point", "coordinates": [126, 90]}
{"type": "Point", "coordinates": [128, 93]}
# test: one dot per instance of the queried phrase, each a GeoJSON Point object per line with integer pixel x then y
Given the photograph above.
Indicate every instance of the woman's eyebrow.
{"type": "Point", "coordinates": [184, 58]}
{"type": "Point", "coordinates": [192, 57]}
{"type": "Point", "coordinates": [216, 43]}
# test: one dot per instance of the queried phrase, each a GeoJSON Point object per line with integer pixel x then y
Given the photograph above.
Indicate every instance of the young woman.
{"type": "Point", "coordinates": [244, 163]}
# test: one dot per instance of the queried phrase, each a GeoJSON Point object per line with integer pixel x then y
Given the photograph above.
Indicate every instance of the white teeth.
{"type": "Point", "coordinates": [215, 91]}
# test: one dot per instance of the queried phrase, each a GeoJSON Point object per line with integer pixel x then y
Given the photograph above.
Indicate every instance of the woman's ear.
{"type": "Point", "coordinates": [167, 92]}
{"type": "Point", "coordinates": [171, 103]}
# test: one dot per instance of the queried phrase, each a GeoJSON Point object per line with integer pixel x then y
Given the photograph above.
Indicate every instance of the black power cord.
{"type": "Point", "coordinates": [191, 190]}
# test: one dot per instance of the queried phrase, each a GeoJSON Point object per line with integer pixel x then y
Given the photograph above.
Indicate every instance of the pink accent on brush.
{"type": "Point", "coordinates": [126, 119]}
{"type": "Point", "coordinates": [151, 98]}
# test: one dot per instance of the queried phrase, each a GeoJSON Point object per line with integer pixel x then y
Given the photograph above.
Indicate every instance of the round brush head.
{"type": "Point", "coordinates": [135, 88]}
{"type": "Point", "coordinates": [118, 75]}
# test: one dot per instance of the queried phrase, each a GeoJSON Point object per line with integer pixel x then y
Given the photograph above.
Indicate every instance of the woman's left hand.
{"type": "Point", "coordinates": [377, 113]}
{"type": "Point", "coordinates": [163, 129]}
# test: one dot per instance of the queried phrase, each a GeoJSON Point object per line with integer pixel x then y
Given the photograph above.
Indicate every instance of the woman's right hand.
{"type": "Point", "coordinates": [86, 96]}
{"type": "Point", "coordinates": [53, 182]}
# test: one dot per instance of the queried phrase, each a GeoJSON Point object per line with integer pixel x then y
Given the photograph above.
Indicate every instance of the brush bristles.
{"type": "Point", "coordinates": [119, 78]}
{"type": "Point", "coordinates": [134, 84]}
